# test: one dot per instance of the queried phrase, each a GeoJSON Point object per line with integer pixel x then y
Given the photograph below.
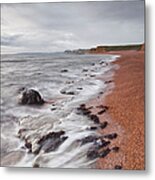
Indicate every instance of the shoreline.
{"type": "Point", "coordinates": [125, 115]}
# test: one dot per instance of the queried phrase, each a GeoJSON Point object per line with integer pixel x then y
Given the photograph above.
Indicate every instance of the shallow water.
{"type": "Point", "coordinates": [43, 73]}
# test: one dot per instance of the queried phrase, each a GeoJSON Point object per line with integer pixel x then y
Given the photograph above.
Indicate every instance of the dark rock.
{"type": "Point", "coordinates": [67, 93]}
{"type": "Point", "coordinates": [28, 145]}
{"type": "Point", "coordinates": [83, 110]}
{"type": "Point", "coordinates": [86, 111]}
{"type": "Point", "coordinates": [71, 93]}
{"type": "Point", "coordinates": [52, 135]}
{"type": "Point", "coordinates": [69, 82]}
{"type": "Point", "coordinates": [104, 153]}
{"type": "Point", "coordinates": [51, 141]}
{"type": "Point", "coordinates": [79, 88]}
{"type": "Point", "coordinates": [92, 75]}
{"type": "Point", "coordinates": [102, 107]}
{"type": "Point", "coordinates": [37, 151]}
{"type": "Point", "coordinates": [53, 109]}
{"type": "Point", "coordinates": [82, 105]}
{"type": "Point", "coordinates": [94, 118]}
{"type": "Point", "coordinates": [30, 97]}
{"type": "Point", "coordinates": [107, 82]}
{"type": "Point", "coordinates": [100, 143]}
{"type": "Point", "coordinates": [93, 128]}
{"type": "Point", "coordinates": [92, 154]}
{"type": "Point", "coordinates": [64, 70]}
{"type": "Point", "coordinates": [103, 63]}
{"type": "Point", "coordinates": [88, 139]}
{"type": "Point", "coordinates": [93, 64]}
{"type": "Point", "coordinates": [36, 165]}
{"type": "Point", "coordinates": [111, 136]}
{"type": "Point", "coordinates": [52, 145]}
{"type": "Point", "coordinates": [103, 125]}
{"type": "Point", "coordinates": [85, 70]}
{"type": "Point", "coordinates": [115, 149]}
{"type": "Point", "coordinates": [101, 92]}
{"type": "Point", "coordinates": [101, 112]}
{"type": "Point", "coordinates": [118, 167]}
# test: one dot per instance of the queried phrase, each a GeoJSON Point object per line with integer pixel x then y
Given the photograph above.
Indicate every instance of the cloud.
{"type": "Point", "coordinates": [53, 27]}
{"type": "Point", "coordinates": [10, 40]}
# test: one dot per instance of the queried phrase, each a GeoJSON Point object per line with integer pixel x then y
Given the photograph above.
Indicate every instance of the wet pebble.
{"type": "Point", "coordinates": [94, 118]}
{"type": "Point", "coordinates": [101, 92]}
{"type": "Point", "coordinates": [92, 128]}
{"type": "Point", "coordinates": [92, 154]}
{"type": "Point", "coordinates": [36, 165]}
{"type": "Point", "coordinates": [107, 82]}
{"type": "Point", "coordinates": [118, 167]}
{"type": "Point", "coordinates": [83, 110]}
{"type": "Point", "coordinates": [104, 153]}
{"type": "Point", "coordinates": [92, 75]}
{"type": "Point", "coordinates": [85, 70]}
{"type": "Point", "coordinates": [103, 125]}
{"type": "Point", "coordinates": [53, 109]}
{"type": "Point", "coordinates": [101, 112]}
{"type": "Point", "coordinates": [111, 136]}
{"type": "Point", "coordinates": [100, 143]}
{"type": "Point", "coordinates": [67, 93]}
{"type": "Point", "coordinates": [79, 88]}
{"type": "Point", "coordinates": [115, 149]}
{"type": "Point", "coordinates": [64, 70]}
{"type": "Point", "coordinates": [88, 139]}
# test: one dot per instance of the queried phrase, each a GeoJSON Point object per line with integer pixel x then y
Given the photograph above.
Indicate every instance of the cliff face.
{"type": "Point", "coordinates": [104, 49]}
{"type": "Point", "coordinates": [98, 49]}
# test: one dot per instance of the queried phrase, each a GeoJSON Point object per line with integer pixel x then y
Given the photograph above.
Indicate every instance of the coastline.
{"type": "Point", "coordinates": [125, 115]}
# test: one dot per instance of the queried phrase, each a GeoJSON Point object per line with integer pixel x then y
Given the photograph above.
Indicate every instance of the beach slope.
{"type": "Point", "coordinates": [126, 109]}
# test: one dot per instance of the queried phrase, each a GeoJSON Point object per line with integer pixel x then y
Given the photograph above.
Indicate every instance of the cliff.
{"type": "Point", "coordinates": [104, 49]}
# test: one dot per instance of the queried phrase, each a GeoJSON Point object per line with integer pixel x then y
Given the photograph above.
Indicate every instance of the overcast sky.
{"type": "Point", "coordinates": [50, 27]}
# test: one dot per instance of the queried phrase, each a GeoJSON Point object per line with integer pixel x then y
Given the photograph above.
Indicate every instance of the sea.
{"type": "Point", "coordinates": [65, 81]}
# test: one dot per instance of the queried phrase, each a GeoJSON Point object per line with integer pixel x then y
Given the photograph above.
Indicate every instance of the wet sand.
{"type": "Point", "coordinates": [125, 115]}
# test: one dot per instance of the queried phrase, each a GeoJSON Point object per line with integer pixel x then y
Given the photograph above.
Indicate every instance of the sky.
{"type": "Point", "coordinates": [55, 27]}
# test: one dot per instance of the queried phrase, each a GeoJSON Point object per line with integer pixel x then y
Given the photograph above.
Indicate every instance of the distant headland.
{"type": "Point", "coordinates": [105, 49]}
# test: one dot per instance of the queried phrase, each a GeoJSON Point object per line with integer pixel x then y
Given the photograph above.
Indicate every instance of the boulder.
{"type": "Point", "coordinates": [30, 97]}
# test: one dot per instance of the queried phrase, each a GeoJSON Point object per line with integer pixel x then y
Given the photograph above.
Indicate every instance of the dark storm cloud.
{"type": "Point", "coordinates": [60, 26]}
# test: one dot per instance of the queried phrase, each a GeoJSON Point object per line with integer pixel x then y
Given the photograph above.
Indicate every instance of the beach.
{"type": "Point", "coordinates": [98, 114]}
{"type": "Point", "coordinates": [125, 115]}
